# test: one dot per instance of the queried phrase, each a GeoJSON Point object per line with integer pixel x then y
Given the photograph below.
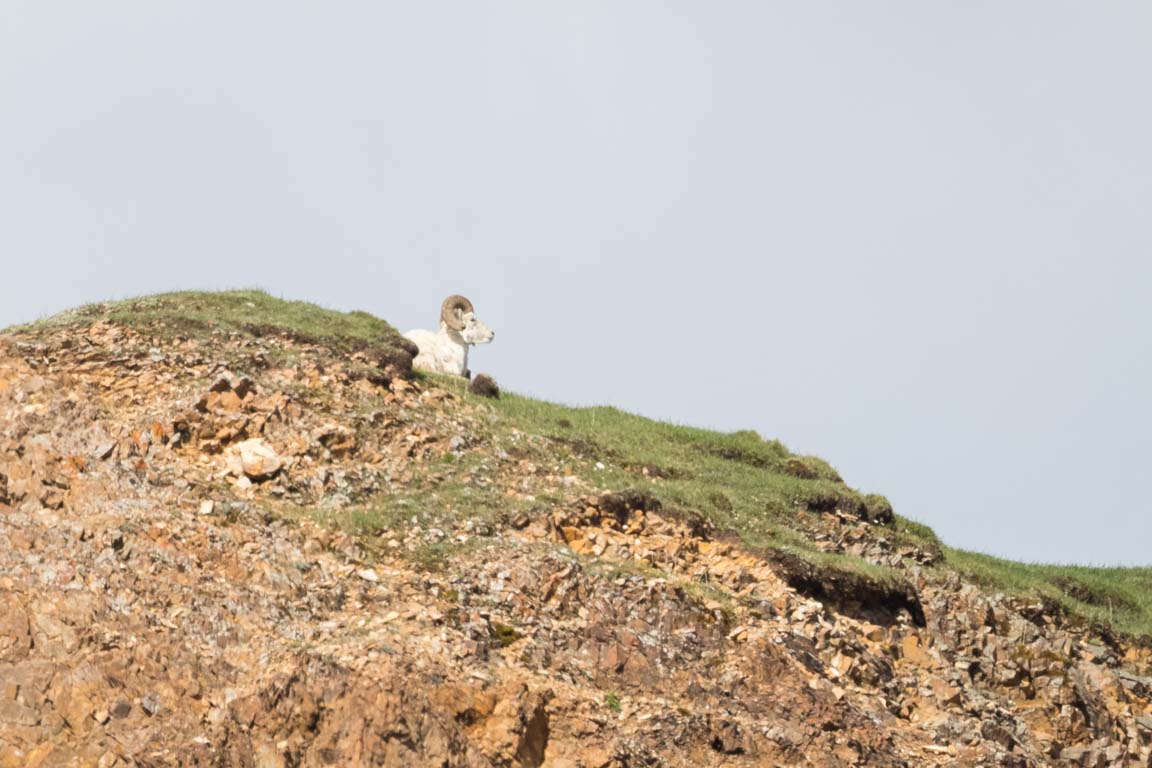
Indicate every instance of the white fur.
{"type": "Point", "coordinates": [446, 350]}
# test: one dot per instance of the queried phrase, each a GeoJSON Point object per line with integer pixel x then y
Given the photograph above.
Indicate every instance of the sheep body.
{"type": "Point", "coordinates": [446, 350]}
{"type": "Point", "coordinates": [442, 351]}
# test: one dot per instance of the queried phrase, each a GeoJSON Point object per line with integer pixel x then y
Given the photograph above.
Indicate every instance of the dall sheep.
{"type": "Point", "coordinates": [446, 350]}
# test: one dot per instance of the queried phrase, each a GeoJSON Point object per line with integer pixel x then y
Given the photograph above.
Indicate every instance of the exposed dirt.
{"type": "Point", "coordinates": [855, 594]}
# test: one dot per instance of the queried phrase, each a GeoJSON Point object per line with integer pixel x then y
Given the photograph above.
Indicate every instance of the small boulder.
{"type": "Point", "coordinates": [254, 458]}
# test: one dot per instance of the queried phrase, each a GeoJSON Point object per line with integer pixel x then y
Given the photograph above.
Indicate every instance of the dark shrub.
{"type": "Point", "coordinates": [484, 385]}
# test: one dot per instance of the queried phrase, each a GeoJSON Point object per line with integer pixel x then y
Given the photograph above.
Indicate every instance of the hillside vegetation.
{"type": "Point", "coordinates": [740, 482]}
{"type": "Point", "coordinates": [237, 531]}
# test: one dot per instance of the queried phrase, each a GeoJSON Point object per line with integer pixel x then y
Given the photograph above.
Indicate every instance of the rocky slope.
{"type": "Point", "coordinates": [172, 593]}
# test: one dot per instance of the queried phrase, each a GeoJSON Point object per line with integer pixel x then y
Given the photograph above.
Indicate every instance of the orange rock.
{"type": "Point", "coordinates": [912, 650]}
{"type": "Point", "coordinates": [228, 402]}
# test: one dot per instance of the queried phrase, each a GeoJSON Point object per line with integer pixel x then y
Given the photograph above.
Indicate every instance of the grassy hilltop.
{"type": "Point", "coordinates": [740, 483]}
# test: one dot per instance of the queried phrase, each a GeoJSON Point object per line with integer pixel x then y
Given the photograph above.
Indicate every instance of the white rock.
{"type": "Point", "coordinates": [253, 458]}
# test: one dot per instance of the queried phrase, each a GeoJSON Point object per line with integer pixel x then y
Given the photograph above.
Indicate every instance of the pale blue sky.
{"type": "Point", "coordinates": [914, 238]}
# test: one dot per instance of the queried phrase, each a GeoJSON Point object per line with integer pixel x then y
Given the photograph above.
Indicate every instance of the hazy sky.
{"type": "Point", "coordinates": [914, 238]}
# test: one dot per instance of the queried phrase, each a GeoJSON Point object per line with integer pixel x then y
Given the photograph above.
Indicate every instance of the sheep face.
{"type": "Point", "coordinates": [474, 331]}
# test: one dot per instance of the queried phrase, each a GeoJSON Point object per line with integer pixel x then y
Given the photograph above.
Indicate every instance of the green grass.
{"type": "Point", "coordinates": [251, 312]}
{"type": "Point", "coordinates": [1121, 597]}
{"type": "Point", "coordinates": [703, 467]}
{"type": "Point", "coordinates": [741, 482]}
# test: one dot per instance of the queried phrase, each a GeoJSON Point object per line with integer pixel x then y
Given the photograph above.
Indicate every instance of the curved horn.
{"type": "Point", "coordinates": [452, 311]}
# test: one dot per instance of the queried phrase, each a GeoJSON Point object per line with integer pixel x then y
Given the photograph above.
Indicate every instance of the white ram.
{"type": "Point", "coordinates": [446, 350]}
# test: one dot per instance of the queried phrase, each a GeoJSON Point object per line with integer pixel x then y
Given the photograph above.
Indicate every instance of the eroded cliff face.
{"type": "Point", "coordinates": [170, 594]}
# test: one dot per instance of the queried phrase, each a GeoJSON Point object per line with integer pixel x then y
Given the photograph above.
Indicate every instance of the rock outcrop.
{"type": "Point", "coordinates": [172, 595]}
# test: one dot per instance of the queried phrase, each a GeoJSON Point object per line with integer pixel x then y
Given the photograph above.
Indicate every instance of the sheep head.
{"type": "Point", "coordinates": [458, 315]}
